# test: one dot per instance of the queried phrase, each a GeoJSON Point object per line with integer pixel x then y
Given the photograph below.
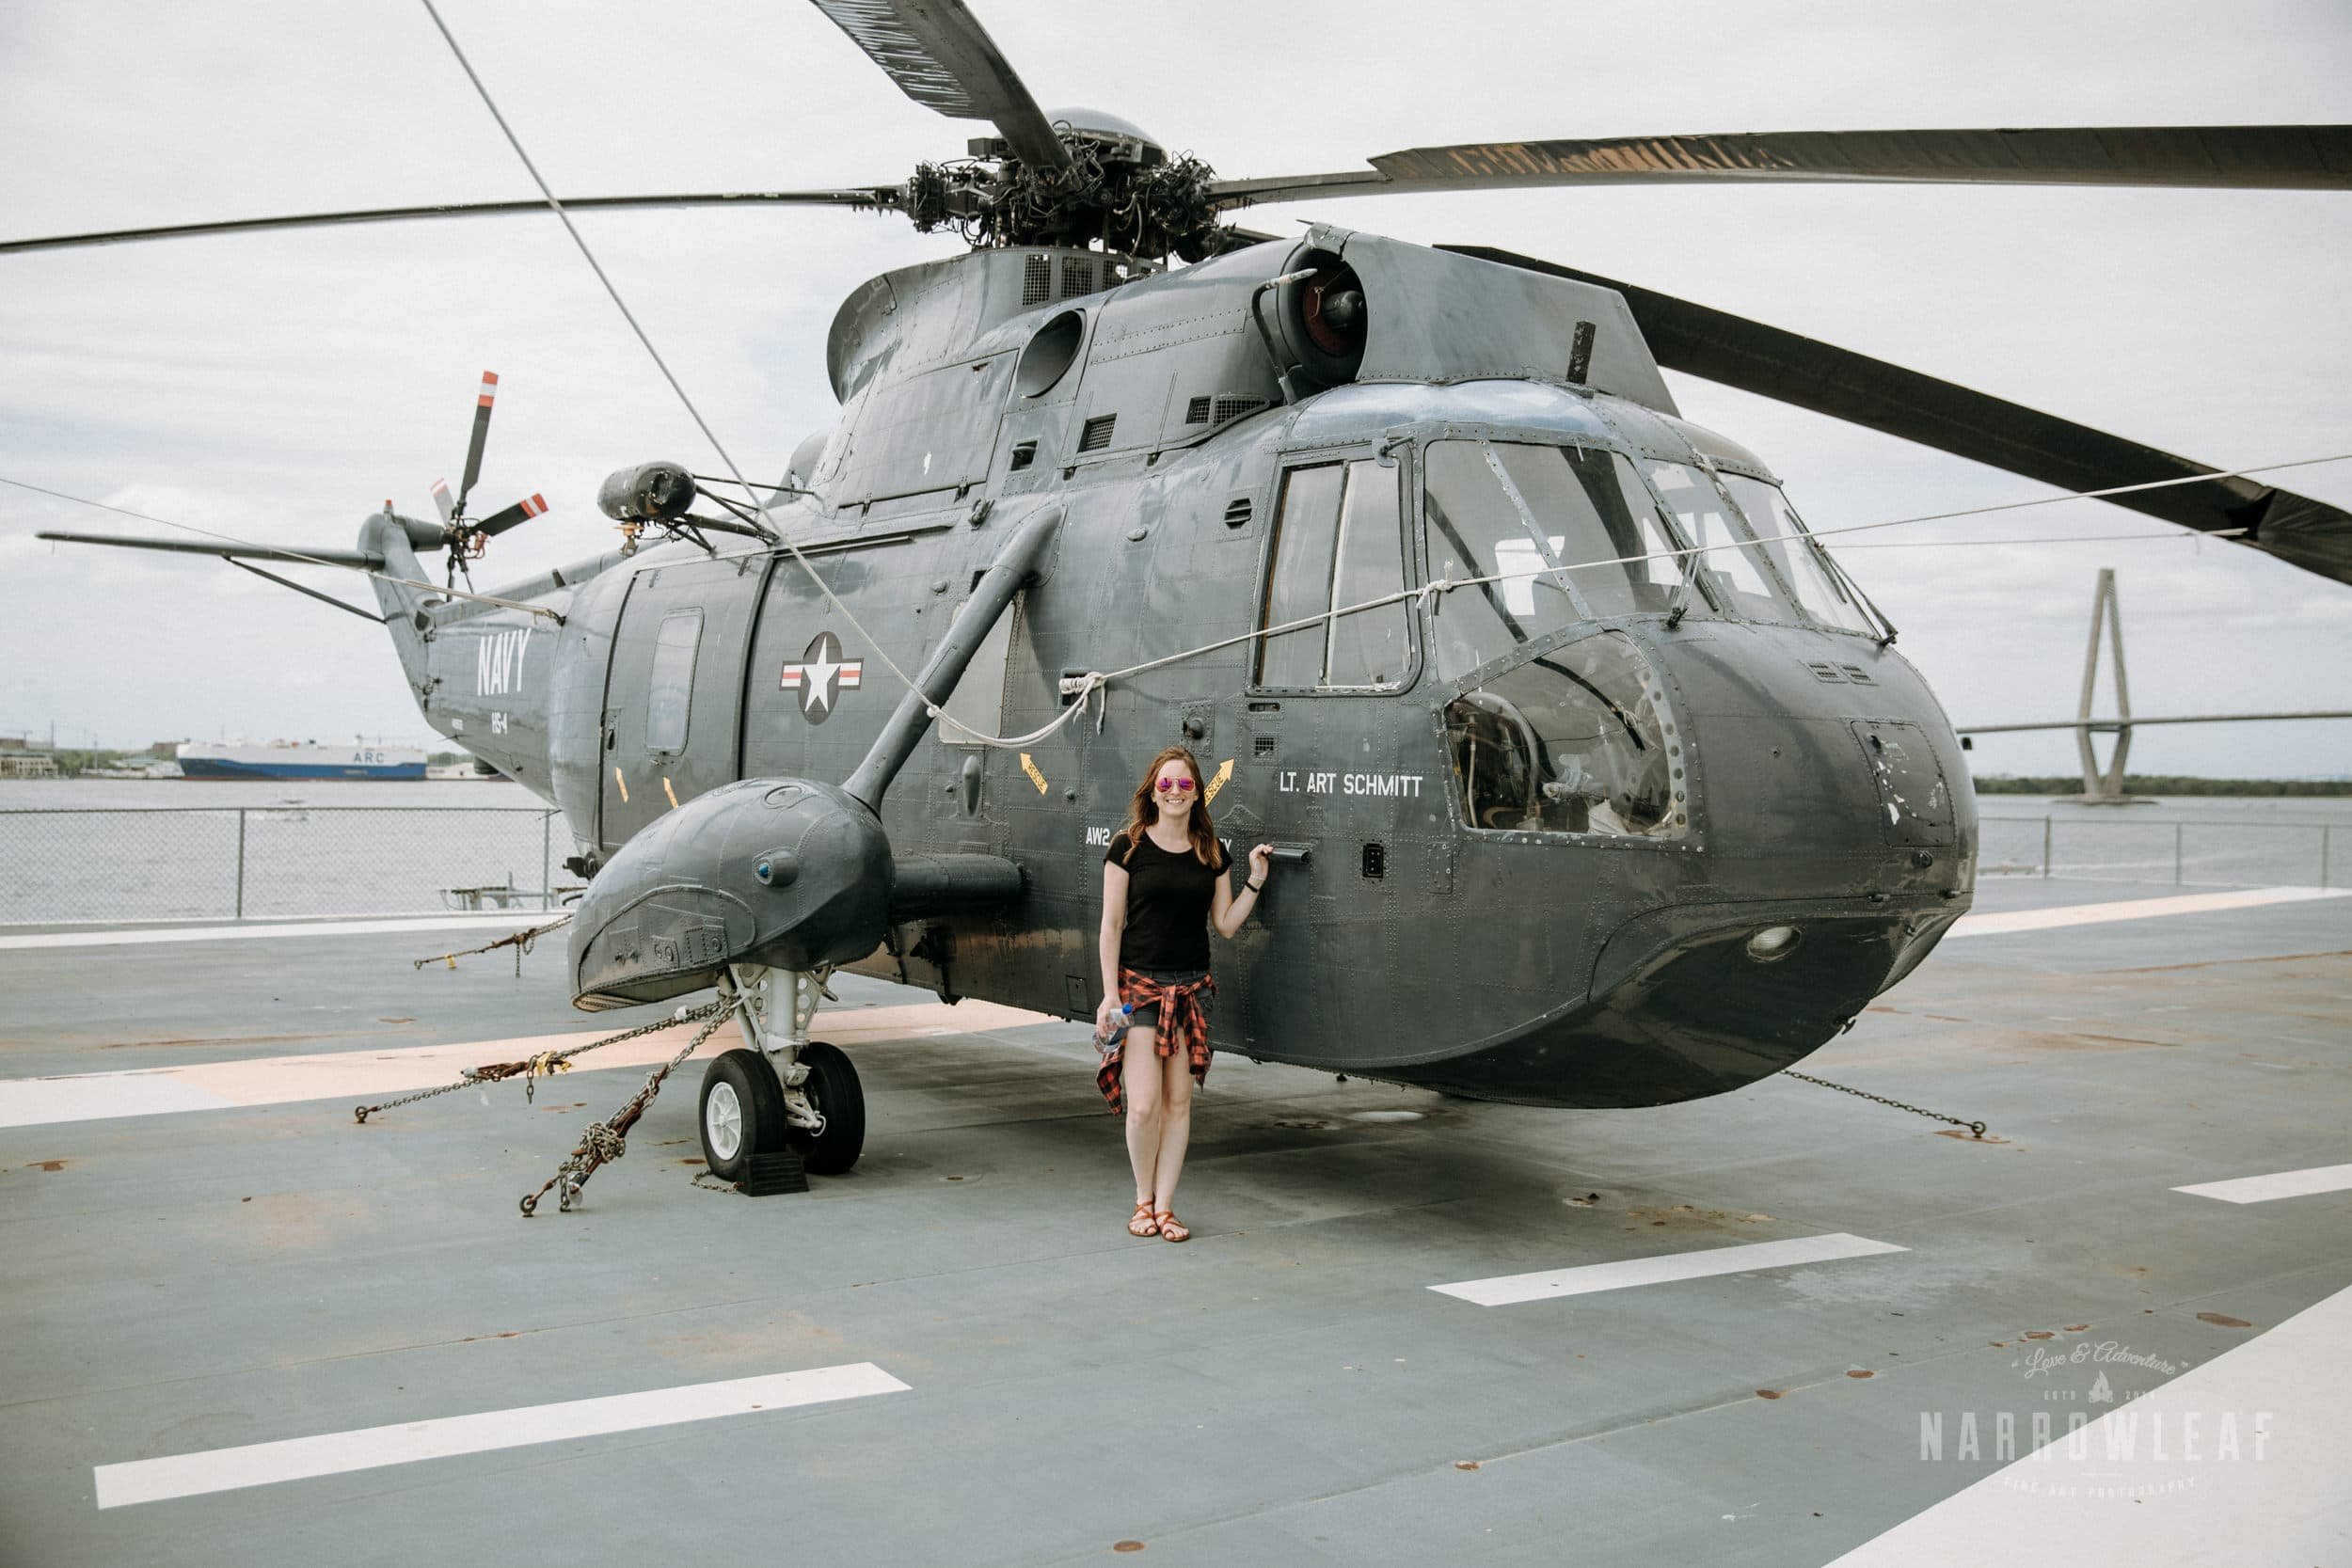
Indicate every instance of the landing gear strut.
{"type": "Point", "coordinates": [787, 1092]}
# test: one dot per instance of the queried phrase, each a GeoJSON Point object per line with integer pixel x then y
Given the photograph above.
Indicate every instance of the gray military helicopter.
{"type": "Point", "coordinates": [1599, 783]}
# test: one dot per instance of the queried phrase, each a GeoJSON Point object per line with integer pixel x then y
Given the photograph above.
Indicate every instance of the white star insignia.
{"type": "Point", "coordinates": [816, 676]}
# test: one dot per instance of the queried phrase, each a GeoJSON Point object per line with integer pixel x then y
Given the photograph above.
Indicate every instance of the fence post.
{"type": "Point", "coordinates": [240, 863]}
{"type": "Point", "coordinates": [2176, 853]}
{"type": "Point", "coordinates": [2045, 849]}
{"type": "Point", "coordinates": [547, 871]}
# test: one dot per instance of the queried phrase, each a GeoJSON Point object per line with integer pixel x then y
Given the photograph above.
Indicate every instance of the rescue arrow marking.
{"type": "Point", "coordinates": [1030, 769]}
{"type": "Point", "coordinates": [1224, 771]}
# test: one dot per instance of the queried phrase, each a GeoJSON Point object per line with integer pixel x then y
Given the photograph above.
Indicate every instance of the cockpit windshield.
{"type": "Point", "coordinates": [1755, 555]}
{"type": "Point", "coordinates": [1728, 551]}
{"type": "Point", "coordinates": [1554, 534]}
{"type": "Point", "coordinates": [1803, 565]}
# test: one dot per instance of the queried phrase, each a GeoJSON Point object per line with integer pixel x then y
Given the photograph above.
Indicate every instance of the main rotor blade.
{"type": "Point", "coordinates": [2214, 157]}
{"type": "Point", "coordinates": [1717, 346]}
{"type": "Point", "coordinates": [943, 59]}
{"type": "Point", "coordinates": [481, 433]}
{"type": "Point", "coordinates": [880, 198]}
{"type": "Point", "coordinates": [358, 560]}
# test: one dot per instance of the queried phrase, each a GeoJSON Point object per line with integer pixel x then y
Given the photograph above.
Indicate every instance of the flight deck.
{"type": "Point", "coordinates": [1785, 1325]}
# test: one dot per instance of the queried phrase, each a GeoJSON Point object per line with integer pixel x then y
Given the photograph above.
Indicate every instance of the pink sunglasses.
{"type": "Point", "coordinates": [1183, 785]}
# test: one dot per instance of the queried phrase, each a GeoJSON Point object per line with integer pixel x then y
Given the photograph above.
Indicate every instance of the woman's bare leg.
{"type": "Point", "coordinates": [1140, 1072]}
{"type": "Point", "coordinates": [1175, 1110]}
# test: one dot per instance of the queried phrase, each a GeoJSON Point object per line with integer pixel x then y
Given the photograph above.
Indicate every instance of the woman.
{"type": "Point", "coordinates": [1164, 882]}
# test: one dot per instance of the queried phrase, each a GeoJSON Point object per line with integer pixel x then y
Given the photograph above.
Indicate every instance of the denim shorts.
{"type": "Point", "coordinates": [1148, 1016]}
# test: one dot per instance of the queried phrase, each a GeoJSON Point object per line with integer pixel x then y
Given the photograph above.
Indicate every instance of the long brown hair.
{"type": "Point", "coordinates": [1144, 810]}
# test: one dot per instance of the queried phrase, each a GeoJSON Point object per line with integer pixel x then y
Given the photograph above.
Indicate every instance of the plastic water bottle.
{"type": "Point", "coordinates": [1108, 1035]}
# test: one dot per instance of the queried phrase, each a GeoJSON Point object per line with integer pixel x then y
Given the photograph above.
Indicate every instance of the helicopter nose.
{"type": "Point", "coordinates": [1826, 766]}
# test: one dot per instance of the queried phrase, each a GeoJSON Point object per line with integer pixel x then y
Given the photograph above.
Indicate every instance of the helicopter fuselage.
{"type": "Point", "coordinates": [1591, 832]}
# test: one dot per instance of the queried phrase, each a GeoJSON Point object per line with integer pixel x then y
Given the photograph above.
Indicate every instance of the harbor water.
{"type": "Point", "coordinates": [110, 849]}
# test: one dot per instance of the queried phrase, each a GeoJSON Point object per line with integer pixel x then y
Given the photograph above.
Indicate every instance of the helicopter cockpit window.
{"type": "Point", "coordinates": [670, 686]}
{"type": "Point", "coordinates": [1804, 566]}
{"type": "Point", "coordinates": [1561, 528]}
{"type": "Point", "coordinates": [1576, 741]}
{"type": "Point", "coordinates": [1585, 508]}
{"type": "Point", "coordinates": [1475, 530]}
{"type": "Point", "coordinates": [1728, 551]}
{"type": "Point", "coordinates": [1339, 541]}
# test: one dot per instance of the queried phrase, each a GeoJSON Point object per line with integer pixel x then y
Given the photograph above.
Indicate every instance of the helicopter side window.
{"type": "Point", "coordinates": [670, 686]}
{"type": "Point", "coordinates": [1576, 741]}
{"type": "Point", "coordinates": [1727, 558]}
{"type": "Point", "coordinates": [1804, 565]}
{"type": "Point", "coordinates": [1338, 541]}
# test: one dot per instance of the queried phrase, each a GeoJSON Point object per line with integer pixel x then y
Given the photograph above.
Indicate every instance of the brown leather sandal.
{"type": "Point", "coordinates": [1172, 1228]}
{"type": "Point", "coordinates": [1143, 1223]}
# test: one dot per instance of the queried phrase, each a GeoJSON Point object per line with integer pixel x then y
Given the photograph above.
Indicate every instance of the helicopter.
{"type": "Point", "coordinates": [1598, 781]}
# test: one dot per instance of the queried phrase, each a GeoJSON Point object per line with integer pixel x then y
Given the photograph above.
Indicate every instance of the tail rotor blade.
{"type": "Point", "coordinates": [442, 498]}
{"type": "Point", "coordinates": [499, 522]}
{"type": "Point", "coordinates": [481, 433]}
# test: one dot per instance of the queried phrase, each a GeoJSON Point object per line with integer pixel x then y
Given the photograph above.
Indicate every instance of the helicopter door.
{"type": "Point", "coordinates": [672, 691]}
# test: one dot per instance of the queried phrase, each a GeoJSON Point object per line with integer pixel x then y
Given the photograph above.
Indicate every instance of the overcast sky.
{"type": "Point", "coordinates": [280, 386]}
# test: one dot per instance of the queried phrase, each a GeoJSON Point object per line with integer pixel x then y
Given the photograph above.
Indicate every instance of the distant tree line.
{"type": "Point", "coordinates": [2169, 784]}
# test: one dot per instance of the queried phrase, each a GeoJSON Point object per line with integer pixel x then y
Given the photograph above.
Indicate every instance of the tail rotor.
{"type": "Point", "coordinates": [467, 539]}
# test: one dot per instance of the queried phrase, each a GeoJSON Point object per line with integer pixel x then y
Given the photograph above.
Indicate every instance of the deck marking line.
{"type": "Point", "coordinates": [355, 1074]}
{"type": "Point", "coordinates": [2130, 1491]}
{"type": "Point", "coordinates": [2285, 1183]}
{"type": "Point", "coordinates": [188, 1475]}
{"type": "Point", "coordinates": [2136, 909]}
{"type": "Point", "coordinates": [145, 936]}
{"type": "Point", "coordinates": [1504, 1290]}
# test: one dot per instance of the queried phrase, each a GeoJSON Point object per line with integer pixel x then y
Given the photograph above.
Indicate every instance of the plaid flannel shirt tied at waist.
{"type": "Point", "coordinates": [1183, 1027]}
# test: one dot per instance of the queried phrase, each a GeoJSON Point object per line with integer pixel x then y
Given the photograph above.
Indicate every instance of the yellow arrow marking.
{"type": "Point", "coordinates": [1224, 771]}
{"type": "Point", "coordinates": [667, 790]}
{"type": "Point", "coordinates": [1030, 769]}
{"type": "Point", "coordinates": [620, 782]}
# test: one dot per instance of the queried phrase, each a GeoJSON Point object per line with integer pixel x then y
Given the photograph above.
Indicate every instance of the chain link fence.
{"type": "Point", "coordinates": [2123, 848]}
{"type": "Point", "coordinates": [200, 862]}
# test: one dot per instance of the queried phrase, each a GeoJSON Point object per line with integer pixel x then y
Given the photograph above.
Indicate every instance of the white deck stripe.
{"type": "Point", "coordinates": [366, 1074]}
{"type": "Point", "coordinates": [140, 936]}
{"type": "Point", "coordinates": [1507, 1289]}
{"type": "Point", "coordinates": [2285, 1183]}
{"type": "Point", "coordinates": [188, 1475]}
{"type": "Point", "coordinates": [2283, 1501]}
{"type": "Point", "coordinates": [2136, 908]}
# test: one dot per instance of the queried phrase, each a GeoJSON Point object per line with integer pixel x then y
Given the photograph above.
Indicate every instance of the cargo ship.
{"type": "Point", "coordinates": [298, 759]}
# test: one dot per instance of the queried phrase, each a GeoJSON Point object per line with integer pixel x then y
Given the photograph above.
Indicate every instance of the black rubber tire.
{"type": "Point", "coordinates": [833, 1088]}
{"type": "Point", "coordinates": [758, 1099]}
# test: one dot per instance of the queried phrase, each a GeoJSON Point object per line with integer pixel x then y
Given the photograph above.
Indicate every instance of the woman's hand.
{"type": "Point", "coordinates": [1260, 862]}
{"type": "Point", "coordinates": [1103, 1014]}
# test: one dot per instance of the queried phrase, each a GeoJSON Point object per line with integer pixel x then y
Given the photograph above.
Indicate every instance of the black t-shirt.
{"type": "Point", "coordinates": [1168, 898]}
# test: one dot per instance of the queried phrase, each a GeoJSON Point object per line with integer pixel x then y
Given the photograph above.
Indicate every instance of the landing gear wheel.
{"type": "Point", "coordinates": [742, 1113]}
{"type": "Point", "coordinates": [834, 1089]}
